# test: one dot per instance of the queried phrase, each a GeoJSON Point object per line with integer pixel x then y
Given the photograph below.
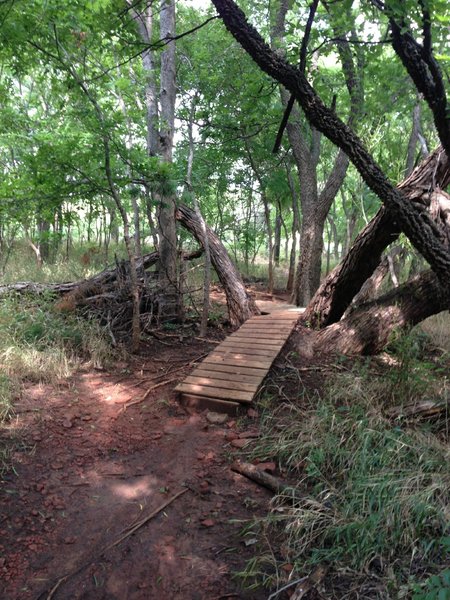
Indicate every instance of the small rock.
{"type": "Point", "coordinates": [67, 423]}
{"type": "Point", "coordinates": [208, 523]}
{"type": "Point", "coordinates": [231, 435]}
{"type": "Point", "coordinates": [239, 443]}
{"type": "Point", "coordinates": [251, 433]}
{"type": "Point", "coordinates": [216, 418]}
{"type": "Point", "coordinates": [204, 486]}
{"type": "Point", "coordinates": [69, 540]}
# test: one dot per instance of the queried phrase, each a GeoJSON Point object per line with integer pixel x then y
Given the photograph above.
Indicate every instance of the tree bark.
{"type": "Point", "coordinates": [241, 306]}
{"type": "Point", "coordinates": [343, 283]}
{"type": "Point", "coordinates": [315, 206]}
{"type": "Point", "coordinates": [370, 326]}
{"type": "Point", "coordinates": [170, 300]}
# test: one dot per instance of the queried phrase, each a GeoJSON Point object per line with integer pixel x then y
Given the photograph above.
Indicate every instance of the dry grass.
{"type": "Point", "coordinates": [437, 328]}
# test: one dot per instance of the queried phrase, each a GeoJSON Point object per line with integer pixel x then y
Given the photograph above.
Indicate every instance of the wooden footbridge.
{"type": "Point", "coordinates": [232, 374]}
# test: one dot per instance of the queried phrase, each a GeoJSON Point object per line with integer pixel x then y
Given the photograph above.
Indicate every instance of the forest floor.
{"type": "Point", "coordinates": [89, 465]}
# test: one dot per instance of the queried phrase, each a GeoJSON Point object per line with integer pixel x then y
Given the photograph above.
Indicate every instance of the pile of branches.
{"type": "Point", "coordinates": [107, 295]}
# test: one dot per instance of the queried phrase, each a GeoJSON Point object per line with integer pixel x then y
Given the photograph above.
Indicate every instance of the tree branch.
{"type": "Point", "coordinates": [303, 54]}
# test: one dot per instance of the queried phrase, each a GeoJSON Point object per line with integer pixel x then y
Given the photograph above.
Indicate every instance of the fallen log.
{"type": "Point", "coordinates": [421, 410]}
{"type": "Point", "coordinates": [423, 187]}
{"type": "Point", "coordinates": [96, 282]}
{"type": "Point", "coordinates": [261, 477]}
{"type": "Point", "coordinates": [241, 305]}
{"type": "Point", "coordinates": [368, 328]}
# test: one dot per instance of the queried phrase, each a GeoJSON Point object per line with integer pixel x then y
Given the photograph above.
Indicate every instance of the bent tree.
{"type": "Point", "coordinates": [422, 216]}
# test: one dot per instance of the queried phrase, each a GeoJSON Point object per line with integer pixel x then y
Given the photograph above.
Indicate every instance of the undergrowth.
{"type": "Point", "coordinates": [372, 492]}
{"type": "Point", "coordinates": [40, 344]}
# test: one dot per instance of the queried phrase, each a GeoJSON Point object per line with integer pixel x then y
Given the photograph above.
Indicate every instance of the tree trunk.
{"type": "Point", "coordinates": [370, 326]}
{"type": "Point", "coordinates": [241, 306]}
{"type": "Point", "coordinates": [170, 300]}
{"type": "Point", "coordinates": [277, 235]}
{"type": "Point", "coordinates": [343, 283]}
{"type": "Point", "coordinates": [414, 221]}
{"type": "Point", "coordinates": [295, 230]}
{"type": "Point", "coordinates": [269, 241]}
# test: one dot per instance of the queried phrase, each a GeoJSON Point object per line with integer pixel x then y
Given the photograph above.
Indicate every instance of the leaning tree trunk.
{"type": "Point", "coordinates": [241, 305]}
{"type": "Point", "coordinates": [344, 282]}
{"type": "Point", "coordinates": [370, 326]}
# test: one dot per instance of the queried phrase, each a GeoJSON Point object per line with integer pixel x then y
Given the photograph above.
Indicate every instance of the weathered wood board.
{"type": "Point", "coordinates": [234, 371]}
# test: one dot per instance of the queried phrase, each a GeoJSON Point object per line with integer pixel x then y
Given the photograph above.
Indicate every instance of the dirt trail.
{"type": "Point", "coordinates": [87, 470]}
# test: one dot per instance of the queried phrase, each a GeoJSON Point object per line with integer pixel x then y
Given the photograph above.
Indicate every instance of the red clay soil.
{"type": "Point", "coordinates": [86, 471]}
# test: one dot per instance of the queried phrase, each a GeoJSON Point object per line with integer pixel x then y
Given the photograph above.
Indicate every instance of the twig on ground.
{"type": "Point", "coordinates": [286, 587]}
{"type": "Point", "coordinates": [209, 342]}
{"type": "Point", "coordinates": [304, 585]}
{"type": "Point", "coordinates": [120, 539]}
{"type": "Point", "coordinates": [146, 395]}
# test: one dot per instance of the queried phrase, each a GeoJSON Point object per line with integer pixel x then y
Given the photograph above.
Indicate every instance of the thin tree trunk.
{"type": "Point", "coordinates": [170, 301]}
{"type": "Point", "coordinates": [269, 241]}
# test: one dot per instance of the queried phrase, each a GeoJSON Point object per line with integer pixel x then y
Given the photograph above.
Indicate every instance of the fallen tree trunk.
{"type": "Point", "coordinates": [370, 326]}
{"type": "Point", "coordinates": [96, 282]}
{"type": "Point", "coordinates": [106, 277]}
{"type": "Point", "coordinates": [241, 305]}
{"type": "Point", "coordinates": [425, 409]}
{"type": "Point", "coordinates": [423, 187]}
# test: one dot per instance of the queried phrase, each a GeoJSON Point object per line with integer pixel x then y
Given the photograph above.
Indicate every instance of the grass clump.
{"type": "Point", "coordinates": [6, 397]}
{"type": "Point", "coordinates": [373, 495]}
{"type": "Point", "coordinates": [38, 343]}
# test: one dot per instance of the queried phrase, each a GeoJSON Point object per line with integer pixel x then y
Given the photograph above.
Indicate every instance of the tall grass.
{"type": "Point", "coordinates": [38, 343]}
{"type": "Point", "coordinates": [372, 494]}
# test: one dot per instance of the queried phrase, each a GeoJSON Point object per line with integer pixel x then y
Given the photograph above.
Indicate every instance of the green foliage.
{"type": "Point", "coordinates": [411, 375]}
{"type": "Point", "coordinates": [437, 588]}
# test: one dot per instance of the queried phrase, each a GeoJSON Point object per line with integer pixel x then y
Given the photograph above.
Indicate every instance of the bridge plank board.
{"type": "Point", "coordinates": [234, 371]}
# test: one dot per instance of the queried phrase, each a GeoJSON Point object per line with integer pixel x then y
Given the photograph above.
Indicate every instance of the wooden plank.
{"type": "Point", "coordinates": [224, 376]}
{"type": "Point", "coordinates": [220, 383]}
{"type": "Point", "coordinates": [234, 369]}
{"type": "Point", "coordinates": [267, 331]}
{"type": "Point", "coordinates": [275, 338]}
{"type": "Point", "coordinates": [264, 342]}
{"type": "Point", "coordinates": [230, 360]}
{"type": "Point", "coordinates": [283, 331]}
{"type": "Point", "coordinates": [269, 325]}
{"type": "Point", "coordinates": [212, 392]}
{"type": "Point", "coordinates": [253, 343]}
{"type": "Point", "coordinates": [273, 324]}
{"type": "Point", "coordinates": [249, 351]}
{"type": "Point", "coordinates": [191, 401]}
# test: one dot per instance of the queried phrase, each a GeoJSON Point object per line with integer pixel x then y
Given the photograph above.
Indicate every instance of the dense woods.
{"type": "Point", "coordinates": [114, 114]}
{"type": "Point", "coordinates": [175, 175]}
